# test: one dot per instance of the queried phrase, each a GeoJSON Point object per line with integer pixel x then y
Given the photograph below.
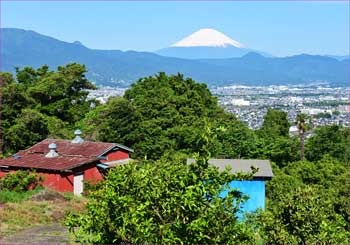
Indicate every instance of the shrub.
{"type": "Point", "coordinates": [90, 186]}
{"type": "Point", "coordinates": [20, 181]}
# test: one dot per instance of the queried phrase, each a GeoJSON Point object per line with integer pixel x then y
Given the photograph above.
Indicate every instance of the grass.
{"type": "Point", "coordinates": [21, 210]}
{"type": "Point", "coordinates": [13, 196]}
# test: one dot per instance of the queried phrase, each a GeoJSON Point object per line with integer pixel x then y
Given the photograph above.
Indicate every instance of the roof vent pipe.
{"type": "Point", "coordinates": [52, 152]}
{"type": "Point", "coordinates": [77, 139]}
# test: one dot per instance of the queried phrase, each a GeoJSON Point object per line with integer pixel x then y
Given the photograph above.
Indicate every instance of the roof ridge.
{"type": "Point", "coordinates": [85, 141]}
{"type": "Point", "coordinates": [59, 154]}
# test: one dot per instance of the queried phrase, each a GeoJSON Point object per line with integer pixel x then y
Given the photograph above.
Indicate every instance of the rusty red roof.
{"type": "Point", "coordinates": [39, 161]}
{"type": "Point", "coordinates": [70, 155]}
{"type": "Point", "coordinates": [65, 147]}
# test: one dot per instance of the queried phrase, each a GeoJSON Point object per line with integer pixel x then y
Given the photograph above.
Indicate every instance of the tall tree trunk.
{"type": "Point", "coordinates": [302, 147]}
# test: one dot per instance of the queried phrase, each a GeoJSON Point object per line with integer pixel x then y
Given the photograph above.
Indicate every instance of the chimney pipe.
{"type": "Point", "coordinates": [77, 139]}
{"type": "Point", "coordinates": [52, 152]}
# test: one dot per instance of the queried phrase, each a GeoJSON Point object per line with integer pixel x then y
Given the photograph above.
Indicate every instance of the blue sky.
{"type": "Point", "coordinates": [277, 27]}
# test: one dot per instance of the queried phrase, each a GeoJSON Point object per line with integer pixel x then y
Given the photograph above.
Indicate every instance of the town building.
{"type": "Point", "coordinates": [66, 164]}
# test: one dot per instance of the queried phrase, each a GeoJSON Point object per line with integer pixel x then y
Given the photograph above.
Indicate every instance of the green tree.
{"type": "Point", "coordinates": [157, 115]}
{"type": "Point", "coordinates": [281, 150]}
{"type": "Point", "coordinates": [40, 103]}
{"type": "Point", "coordinates": [333, 140]}
{"type": "Point", "coordinates": [14, 99]}
{"type": "Point", "coordinates": [237, 140]}
{"type": "Point", "coordinates": [304, 216]}
{"type": "Point", "coordinates": [111, 121]}
{"type": "Point", "coordinates": [307, 202]}
{"type": "Point", "coordinates": [31, 127]}
{"type": "Point", "coordinates": [275, 124]}
{"type": "Point", "coordinates": [61, 94]}
{"type": "Point", "coordinates": [273, 140]}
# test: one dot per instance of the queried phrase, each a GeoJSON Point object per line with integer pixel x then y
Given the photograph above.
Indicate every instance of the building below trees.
{"type": "Point", "coordinates": [66, 164]}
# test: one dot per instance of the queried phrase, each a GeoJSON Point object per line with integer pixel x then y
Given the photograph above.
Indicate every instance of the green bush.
{"type": "Point", "coordinates": [20, 181]}
{"type": "Point", "coordinates": [303, 216]}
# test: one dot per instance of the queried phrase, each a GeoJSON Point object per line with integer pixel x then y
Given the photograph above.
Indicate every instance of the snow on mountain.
{"type": "Point", "coordinates": [207, 38]}
{"type": "Point", "coordinates": [205, 44]}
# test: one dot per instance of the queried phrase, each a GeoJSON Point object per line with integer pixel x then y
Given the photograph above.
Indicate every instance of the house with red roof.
{"type": "Point", "coordinates": [66, 164]}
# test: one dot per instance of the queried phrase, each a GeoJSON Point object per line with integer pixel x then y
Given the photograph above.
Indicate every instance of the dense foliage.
{"type": "Point", "coordinates": [41, 103]}
{"type": "Point", "coordinates": [161, 202]}
{"type": "Point", "coordinates": [165, 201]}
{"type": "Point", "coordinates": [20, 181]}
{"type": "Point", "coordinates": [331, 140]}
{"type": "Point", "coordinates": [273, 139]}
{"type": "Point", "coordinates": [308, 202]}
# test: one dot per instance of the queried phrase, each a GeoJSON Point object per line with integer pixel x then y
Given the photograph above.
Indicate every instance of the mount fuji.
{"type": "Point", "coordinates": [207, 44]}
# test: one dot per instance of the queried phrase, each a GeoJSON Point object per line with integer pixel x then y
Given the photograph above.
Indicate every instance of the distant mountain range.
{"type": "Point", "coordinates": [116, 68]}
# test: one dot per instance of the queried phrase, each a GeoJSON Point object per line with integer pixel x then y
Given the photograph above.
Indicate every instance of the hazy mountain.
{"type": "Point", "coordinates": [304, 68]}
{"type": "Point", "coordinates": [339, 57]}
{"type": "Point", "coordinates": [206, 44]}
{"type": "Point", "coordinates": [112, 67]}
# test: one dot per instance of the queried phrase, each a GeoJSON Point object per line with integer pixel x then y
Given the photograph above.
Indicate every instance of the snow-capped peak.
{"type": "Point", "coordinates": [208, 38]}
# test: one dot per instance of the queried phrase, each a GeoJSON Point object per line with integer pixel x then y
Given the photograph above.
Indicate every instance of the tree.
{"type": "Point", "coordinates": [333, 140]}
{"type": "Point", "coordinates": [14, 99]}
{"type": "Point", "coordinates": [31, 127]}
{"type": "Point", "coordinates": [41, 103]}
{"type": "Point", "coordinates": [157, 115]}
{"type": "Point", "coordinates": [275, 124]}
{"type": "Point", "coordinates": [303, 216]}
{"type": "Point", "coordinates": [307, 202]}
{"type": "Point", "coordinates": [274, 142]}
{"type": "Point", "coordinates": [281, 150]}
{"type": "Point", "coordinates": [165, 201]}
{"type": "Point", "coordinates": [63, 93]}
{"type": "Point", "coordinates": [111, 121]}
{"type": "Point", "coordinates": [237, 140]}
{"type": "Point", "coordinates": [301, 122]}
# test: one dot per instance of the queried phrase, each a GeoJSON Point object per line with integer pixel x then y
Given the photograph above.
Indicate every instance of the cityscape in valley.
{"type": "Point", "coordinates": [324, 104]}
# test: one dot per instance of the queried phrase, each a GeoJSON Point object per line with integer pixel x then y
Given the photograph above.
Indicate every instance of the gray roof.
{"type": "Point", "coordinates": [124, 147]}
{"type": "Point", "coordinates": [118, 162]}
{"type": "Point", "coordinates": [239, 165]}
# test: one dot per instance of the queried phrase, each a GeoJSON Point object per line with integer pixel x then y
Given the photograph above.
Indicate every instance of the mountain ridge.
{"type": "Point", "coordinates": [121, 68]}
